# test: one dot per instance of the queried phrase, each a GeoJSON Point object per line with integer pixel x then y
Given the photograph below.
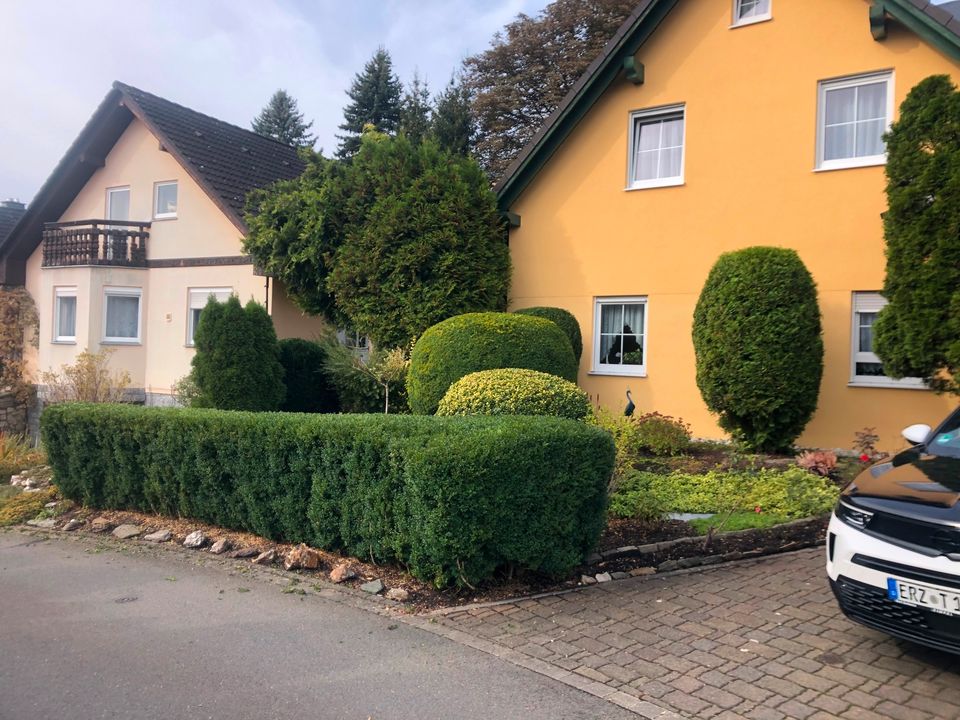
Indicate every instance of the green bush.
{"type": "Point", "coordinates": [237, 365]}
{"type": "Point", "coordinates": [637, 504]}
{"type": "Point", "coordinates": [567, 322]}
{"type": "Point", "coordinates": [757, 338]}
{"type": "Point", "coordinates": [452, 499]}
{"type": "Point", "coordinates": [513, 391]}
{"type": "Point", "coordinates": [308, 387]}
{"type": "Point", "coordinates": [469, 343]}
{"type": "Point", "coordinates": [639, 436]}
{"type": "Point", "coordinates": [791, 493]}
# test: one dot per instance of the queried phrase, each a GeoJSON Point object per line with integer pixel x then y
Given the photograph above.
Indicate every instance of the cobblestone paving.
{"type": "Point", "coordinates": [761, 640]}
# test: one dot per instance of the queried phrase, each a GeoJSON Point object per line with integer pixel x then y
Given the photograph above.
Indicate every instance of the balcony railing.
{"type": "Point", "coordinates": [95, 242]}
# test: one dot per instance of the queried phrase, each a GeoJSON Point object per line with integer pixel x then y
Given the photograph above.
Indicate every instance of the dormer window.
{"type": "Point", "coordinates": [746, 12]}
{"type": "Point", "coordinates": [165, 200]}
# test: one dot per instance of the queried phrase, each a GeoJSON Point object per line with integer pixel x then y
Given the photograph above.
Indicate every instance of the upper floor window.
{"type": "Point", "coordinates": [853, 115]}
{"type": "Point", "coordinates": [165, 200]}
{"type": "Point", "coordinates": [620, 336]}
{"type": "Point", "coordinates": [750, 11]}
{"type": "Point", "coordinates": [65, 314]}
{"type": "Point", "coordinates": [118, 203]}
{"type": "Point", "coordinates": [656, 147]}
{"type": "Point", "coordinates": [121, 315]}
{"type": "Point", "coordinates": [866, 367]}
{"type": "Point", "coordinates": [197, 301]}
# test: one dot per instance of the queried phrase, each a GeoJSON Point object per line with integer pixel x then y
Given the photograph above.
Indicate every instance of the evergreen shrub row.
{"type": "Point", "coordinates": [453, 499]}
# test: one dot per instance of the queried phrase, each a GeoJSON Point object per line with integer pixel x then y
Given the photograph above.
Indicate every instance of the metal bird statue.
{"type": "Point", "coordinates": [628, 410]}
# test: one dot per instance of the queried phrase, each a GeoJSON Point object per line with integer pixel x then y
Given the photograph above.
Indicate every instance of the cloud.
{"type": "Point", "coordinates": [221, 58]}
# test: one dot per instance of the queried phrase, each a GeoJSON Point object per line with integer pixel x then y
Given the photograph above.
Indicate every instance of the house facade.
{"type": "Point", "coordinates": [137, 227]}
{"type": "Point", "coordinates": [712, 125]}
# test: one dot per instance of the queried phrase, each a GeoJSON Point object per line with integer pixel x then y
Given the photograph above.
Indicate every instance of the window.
{"type": "Point", "coordinates": [656, 147]}
{"type": "Point", "coordinates": [360, 344]}
{"type": "Point", "coordinates": [853, 115]}
{"type": "Point", "coordinates": [866, 368]}
{"type": "Point", "coordinates": [165, 200]}
{"type": "Point", "coordinates": [65, 314]}
{"type": "Point", "coordinates": [620, 336]}
{"type": "Point", "coordinates": [121, 315]}
{"type": "Point", "coordinates": [197, 301]}
{"type": "Point", "coordinates": [750, 11]}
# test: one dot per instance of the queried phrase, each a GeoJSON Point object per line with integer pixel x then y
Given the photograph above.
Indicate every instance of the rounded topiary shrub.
{"type": "Point", "coordinates": [469, 343]}
{"type": "Point", "coordinates": [514, 391]}
{"type": "Point", "coordinates": [567, 322]}
{"type": "Point", "coordinates": [308, 387]}
{"type": "Point", "coordinates": [757, 337]}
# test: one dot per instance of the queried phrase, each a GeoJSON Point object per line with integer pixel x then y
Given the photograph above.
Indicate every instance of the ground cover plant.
{"type": "Point", "coordinates": [17, 453]}
{"type": "Point", "coordinates": [452, 499]}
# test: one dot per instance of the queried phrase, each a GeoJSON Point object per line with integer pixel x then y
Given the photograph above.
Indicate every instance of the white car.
{"type": "Point", "coordinates": [893, 544]}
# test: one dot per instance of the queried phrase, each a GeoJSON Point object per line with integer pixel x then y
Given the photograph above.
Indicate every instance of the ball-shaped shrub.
{"type": "Point", "coordinates": [469, 343]}
{"type": "Point", "coordinates": [567, 322]}
{"type": "Point", "coordinates": [308, 387]}
{"type": "Point", "coordinates": [757, 337]}
{"type": "Point", "coordinates": [514, 391]}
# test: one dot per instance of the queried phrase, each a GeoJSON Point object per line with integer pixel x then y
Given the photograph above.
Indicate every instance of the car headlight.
{"type": "Point", "coordinates": [853, 516]}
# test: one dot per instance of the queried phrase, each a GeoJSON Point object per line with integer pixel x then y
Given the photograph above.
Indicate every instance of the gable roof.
{"type": "Point", "coordinates": [936, 24]}
{"type": "Point", "coordinates": [226, 161]}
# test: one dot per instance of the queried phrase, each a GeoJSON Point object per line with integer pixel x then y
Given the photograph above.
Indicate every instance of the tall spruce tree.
{"type": "Point", "coordinates": [374, 100]}
{"type": "Point", "coordinates": [282, 120]}
{"type": "Point", "coordinates": [519, 81]}
{"type": "Point", "coordinates": [918, 333]}
{"type": "Point", "coordinates": [415, 110]}
{"type": "Point", "coordinates": [452, 125]}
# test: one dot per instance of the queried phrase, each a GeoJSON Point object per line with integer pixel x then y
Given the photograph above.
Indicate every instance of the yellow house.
{"type": "Point", "coordinates": [138, 225]}
{"type": "Point", "coordinates": [711, 125]}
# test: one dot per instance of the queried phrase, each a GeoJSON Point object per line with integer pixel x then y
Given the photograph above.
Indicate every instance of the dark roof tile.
{"type": "Point", "coordinates": [9, 216]}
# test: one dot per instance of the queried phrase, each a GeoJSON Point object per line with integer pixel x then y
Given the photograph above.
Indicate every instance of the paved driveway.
{"type": "Point", "coordinates": [760, 639]}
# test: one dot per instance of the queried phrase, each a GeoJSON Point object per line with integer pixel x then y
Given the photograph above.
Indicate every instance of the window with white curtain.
{"type": "Point", "coordinates": [121, 315]}
{"type": "Point", "coordinates": [620, 336]}
{"type": "Point", "coordinates": [865, 367]}
{"type": "Point", "coordinates": [197, 301]}
{"type": "Point", "coordinates": [750, 11]}
{"type": "Point", "coordinates": [656, 147]}
{"type": "Point", "coordinates": [165, 200]}
{"type": "Point", "coordinates": [65, 314]}
{"type": "Point", "coordinates": [854, 113]}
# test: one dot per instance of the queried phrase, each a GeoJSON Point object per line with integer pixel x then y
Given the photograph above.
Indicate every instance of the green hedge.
{"type": "Point", "coordinates": [567, 322]}
{"type": "Point", "coordinates": [453, 499]}
{"type": "Point", "coordinates": [513, 391]}
{"type": "Point", "coordinates": [469, 343]}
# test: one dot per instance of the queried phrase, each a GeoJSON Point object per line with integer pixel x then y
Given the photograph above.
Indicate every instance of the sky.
{"type": "Point", "coordinates": [224, 58]}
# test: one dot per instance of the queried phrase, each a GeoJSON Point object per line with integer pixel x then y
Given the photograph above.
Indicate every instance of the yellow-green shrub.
{"type": "Point", "coordinates": [24, 506]}
{"type": "Point", "coordinates": [514, 391]}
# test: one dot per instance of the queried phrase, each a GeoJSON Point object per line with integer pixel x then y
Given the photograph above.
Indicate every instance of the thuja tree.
{"type": "Point", "coordinates": [759, 351]}
{"type": "Point", "coordinates": [237, 365]}
{"type": "Point", "coordinates": [918, 333]}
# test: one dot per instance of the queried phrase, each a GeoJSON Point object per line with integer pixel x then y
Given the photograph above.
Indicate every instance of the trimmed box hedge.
{"type": "Point", "coordinates": [514, 391]}
{"type": "Point", "coordinates": [453, 499]}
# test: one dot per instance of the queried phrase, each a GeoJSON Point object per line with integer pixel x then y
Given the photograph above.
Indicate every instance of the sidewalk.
{"type": "Point", "coordinates": [761, 639]}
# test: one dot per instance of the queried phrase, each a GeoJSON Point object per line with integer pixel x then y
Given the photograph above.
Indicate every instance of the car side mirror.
{"type": "Point", "coordinates": [916, 434]}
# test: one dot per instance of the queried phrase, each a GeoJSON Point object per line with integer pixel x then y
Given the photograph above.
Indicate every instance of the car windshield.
{"type": "Point", "coordinates": [947, 440]}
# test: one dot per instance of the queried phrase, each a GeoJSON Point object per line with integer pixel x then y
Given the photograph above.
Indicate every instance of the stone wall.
{"type": "Point", "coordinates": [13, 415]}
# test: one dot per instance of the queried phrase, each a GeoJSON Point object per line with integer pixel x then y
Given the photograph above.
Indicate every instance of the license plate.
{"type": "Point", "coordinates": [945, 602]}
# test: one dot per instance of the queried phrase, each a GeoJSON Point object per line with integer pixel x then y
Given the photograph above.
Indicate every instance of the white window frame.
{"type": "Point", "coordinates": [115, 291]}
{"type": "Point", "coordinates": [652, 114]}
{"type": "Point", "coordinates": [62, 292]}
{"type": "Point", "coordinates": [871, 302]}
{"type": "Point", "coordinates": [157, 215]}
{"type": "Point", "coordinates": [207, 292]}
{"type": "Point", "coordinates": [109, 201]}
{"type": "Point", "coordinates": [598, 368]}
{"type": "Point", "coordinates": [838, 84]}
{"type": "Point", "coordinates": [357, 343]}
{"type": "Point", "coordinates": [740, 22]}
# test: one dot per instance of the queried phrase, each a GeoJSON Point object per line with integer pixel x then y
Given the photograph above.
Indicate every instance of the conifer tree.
{"type": "Point", "coordinates": [282, 120]}
{"type": "Point", "coordinates": [374, 100]}
{"type": "Point", "coordinates": [415, 110]}
{"type": "Point", "coordinates": [452, 125]}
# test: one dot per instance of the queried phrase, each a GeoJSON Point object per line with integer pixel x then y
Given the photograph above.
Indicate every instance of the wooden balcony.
{"type": "Point", "coordinates": [95, 242]}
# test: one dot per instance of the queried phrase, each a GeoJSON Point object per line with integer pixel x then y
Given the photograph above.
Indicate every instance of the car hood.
{"type": "Point", "coordinates": [912, 483]}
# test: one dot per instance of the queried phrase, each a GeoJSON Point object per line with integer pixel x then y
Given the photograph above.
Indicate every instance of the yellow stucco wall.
{"type": "Point", "coordinates": [200, 230]}
{"type": "Point", "coordinates": [751, 106]}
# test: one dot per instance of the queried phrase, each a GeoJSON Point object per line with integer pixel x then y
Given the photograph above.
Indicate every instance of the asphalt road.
{"type": "Point", "coordinates": [103, 631]}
